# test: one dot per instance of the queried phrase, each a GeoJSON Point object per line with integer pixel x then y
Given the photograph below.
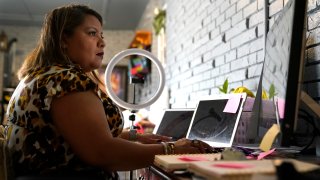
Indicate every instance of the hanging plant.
{"type": "Point", "coordinates": [159, 21]}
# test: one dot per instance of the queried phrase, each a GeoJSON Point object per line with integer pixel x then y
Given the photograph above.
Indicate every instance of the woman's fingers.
{"type": "Point", "coordinates": [202, 146]}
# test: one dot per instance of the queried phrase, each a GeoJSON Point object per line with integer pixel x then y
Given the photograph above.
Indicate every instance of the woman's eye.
{"type": "Point", "coordinates": [92, 33]}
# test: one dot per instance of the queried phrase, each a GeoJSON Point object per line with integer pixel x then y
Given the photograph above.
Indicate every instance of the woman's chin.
{"type": "Point", "coordinates": [96, 65]}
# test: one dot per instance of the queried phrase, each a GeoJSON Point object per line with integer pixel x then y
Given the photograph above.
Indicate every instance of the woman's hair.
{"type": "Point", "coordinates": [59, 22]}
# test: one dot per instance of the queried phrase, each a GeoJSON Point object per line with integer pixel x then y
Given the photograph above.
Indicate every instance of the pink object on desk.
{"type": "Point", "coordinates": [264, 154]}
{"type": "Point", "coordinates": [233, 165]}
{"type": "Point", "coordinates": [232, 104]}
{"type": "Point", "coordinates": [281, 104]}
{"type": "Point", "coordinates": [193, 158]}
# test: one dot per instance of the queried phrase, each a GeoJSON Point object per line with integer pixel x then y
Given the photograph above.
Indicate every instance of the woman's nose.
{"type": "Point", "coordinates": [101, 43]}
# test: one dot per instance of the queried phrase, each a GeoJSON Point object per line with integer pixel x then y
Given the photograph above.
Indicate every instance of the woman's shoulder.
{"type": "Point", "coordinates": [62, 77]}
{"type": "Point", "coordinates": [67, 72]}
{"type": "Point", "coordinates": [57, 72]}
{"type": "Point", "coordinates": [57, 69]}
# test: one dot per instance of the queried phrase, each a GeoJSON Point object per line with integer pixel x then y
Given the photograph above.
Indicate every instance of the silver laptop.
{"type": "Point", "coordinates": [212, 123]}
{"type": "Point", "coordinates": [174, 123]}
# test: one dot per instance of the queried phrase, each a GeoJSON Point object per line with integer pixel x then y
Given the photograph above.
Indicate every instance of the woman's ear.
{"type": "Point", "coordinates": [64, 43]}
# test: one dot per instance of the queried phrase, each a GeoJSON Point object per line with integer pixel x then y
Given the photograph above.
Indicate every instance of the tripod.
{"type": "Point", "coordinates": [133, 129]}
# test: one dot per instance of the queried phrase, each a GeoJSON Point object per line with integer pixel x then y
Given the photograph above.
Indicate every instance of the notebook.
{"type": "Point", "coordinates": [175, 162]}
{"type": "Point", "coordinates": [245, 170]}
{"type": "Point", "coordinates": [175, 123]}
{"type": "Point", "coordinates": [216, 119]}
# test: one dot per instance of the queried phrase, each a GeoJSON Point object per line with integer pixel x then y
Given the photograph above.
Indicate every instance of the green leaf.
{"type": "Point", "coordinates": [224, 88]}
{"type": "Point", "coordinates": [159, 21]}
{"type": "Point", "coordinates": [225, 85]}
{"type": "Point", "coordinates": [272, 91]}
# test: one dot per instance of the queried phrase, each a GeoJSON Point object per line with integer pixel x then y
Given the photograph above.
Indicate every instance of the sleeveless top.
{"type": "Point", "coordinates": [36, 145]}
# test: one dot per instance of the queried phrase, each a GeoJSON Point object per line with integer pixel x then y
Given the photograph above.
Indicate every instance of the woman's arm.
{"type": "Point", "coordinates": [81, 119]}
{"type": "Point", "coordinates": [146, 138]}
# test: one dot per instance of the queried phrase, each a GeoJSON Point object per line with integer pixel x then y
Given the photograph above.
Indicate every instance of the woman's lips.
{"type": "Point", "coordinates": [100, 54]}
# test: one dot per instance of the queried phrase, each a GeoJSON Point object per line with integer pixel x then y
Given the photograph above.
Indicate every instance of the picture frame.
{"type": "Point", "coordinates": [119, 80]}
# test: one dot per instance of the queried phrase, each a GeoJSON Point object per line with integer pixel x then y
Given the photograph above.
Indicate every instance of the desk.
{"type": "Point", "coordinates": [156, 173]}
{"type": "Point", "coordinates": [309, 158]}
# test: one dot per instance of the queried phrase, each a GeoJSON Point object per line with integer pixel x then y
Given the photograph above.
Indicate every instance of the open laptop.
{"type": "Point", "coordinates": [175, 123]}
{"type": "Point", "coordinates": [216, 118]}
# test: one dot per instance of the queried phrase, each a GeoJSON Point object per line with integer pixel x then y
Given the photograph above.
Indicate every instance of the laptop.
{"type": "Point", "coordinates": [216, 118]}
{"type": "Point", "coordinates": [174, 123]}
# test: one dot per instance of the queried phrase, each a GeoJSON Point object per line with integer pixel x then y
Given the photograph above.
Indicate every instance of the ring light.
{"type": "Point", "coordinates": [119, 57]}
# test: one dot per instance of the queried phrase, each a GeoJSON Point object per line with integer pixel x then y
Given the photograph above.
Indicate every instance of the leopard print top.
{"type": "Point", "coordinates": [36, 144]}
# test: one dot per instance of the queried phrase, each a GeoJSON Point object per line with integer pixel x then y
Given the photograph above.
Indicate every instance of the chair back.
{"type": "Point", "coordinates": [6, 169]}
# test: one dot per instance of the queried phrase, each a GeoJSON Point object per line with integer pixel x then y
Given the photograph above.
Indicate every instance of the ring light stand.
{"type": "Point", "coordinates": [133, 107]}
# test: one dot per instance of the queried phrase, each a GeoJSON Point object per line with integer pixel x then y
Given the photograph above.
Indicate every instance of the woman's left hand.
{"type": "Point", "coordinates": [149, 138]}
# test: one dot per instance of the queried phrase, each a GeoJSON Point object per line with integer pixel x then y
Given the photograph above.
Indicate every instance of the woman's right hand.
{"type": "Point", "coordinates": [187, 146]}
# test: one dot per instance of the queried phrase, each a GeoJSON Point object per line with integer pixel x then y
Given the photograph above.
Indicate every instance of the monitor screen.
{"type": "Point", "coordinates": [139, 66]}
{"type": "Point", "coordinates": [282, 70]}
{"type": "Point", "coordinates": [211, 122]}
{"type": "Point", "coordinates": [175, 123]}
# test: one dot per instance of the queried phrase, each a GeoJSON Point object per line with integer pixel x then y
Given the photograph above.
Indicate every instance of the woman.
{"type": "Point", "coordinates": [60, 121]}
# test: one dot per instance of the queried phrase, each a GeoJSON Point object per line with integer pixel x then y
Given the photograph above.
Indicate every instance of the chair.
{"type": "Point", "coordinates": [6, 170]}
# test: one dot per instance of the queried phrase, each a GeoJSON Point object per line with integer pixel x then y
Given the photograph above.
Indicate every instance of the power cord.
{"type": "Point", "coordinates": [311, 120]}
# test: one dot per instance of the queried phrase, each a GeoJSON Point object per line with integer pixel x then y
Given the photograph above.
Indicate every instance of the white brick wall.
{"type": "Point", "coordinates": [228, 46]}
{"type": "Point", "coordinates": [234, 47]}
{"type": "Point", "coordinates": [275, 7]}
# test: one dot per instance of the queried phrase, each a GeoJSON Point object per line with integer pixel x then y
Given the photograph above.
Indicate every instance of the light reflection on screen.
{"type": "Point", "coordinates": [276, 64]}
{"type": "Point", "coordinates": [211, 123]}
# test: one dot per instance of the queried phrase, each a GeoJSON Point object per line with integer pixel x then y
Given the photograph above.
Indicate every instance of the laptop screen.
{"type": "Point", "coordinates": [175, 123]}
{"type": "Point", "coordinates": [212, 124]}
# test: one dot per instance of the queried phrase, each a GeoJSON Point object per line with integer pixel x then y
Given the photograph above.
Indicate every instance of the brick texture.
{"type": "Point", "coordinates": [230, 51]}
{"type": "Point", "coordinates": [234, 47]}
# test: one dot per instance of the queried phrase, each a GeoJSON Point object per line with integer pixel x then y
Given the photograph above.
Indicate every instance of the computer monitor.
{"type": "Point", "coordinates": [282, 71]}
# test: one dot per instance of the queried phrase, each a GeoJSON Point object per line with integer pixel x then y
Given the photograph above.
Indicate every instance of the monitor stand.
{"type": "Point", "coordinates": [315, 108]}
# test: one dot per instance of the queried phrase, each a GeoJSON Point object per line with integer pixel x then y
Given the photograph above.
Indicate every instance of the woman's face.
{"type": "Point", "coordinates": [85, 46]}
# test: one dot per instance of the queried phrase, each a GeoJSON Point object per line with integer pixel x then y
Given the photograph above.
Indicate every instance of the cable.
{"type": "Point", "coordinates": [310, 119]}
